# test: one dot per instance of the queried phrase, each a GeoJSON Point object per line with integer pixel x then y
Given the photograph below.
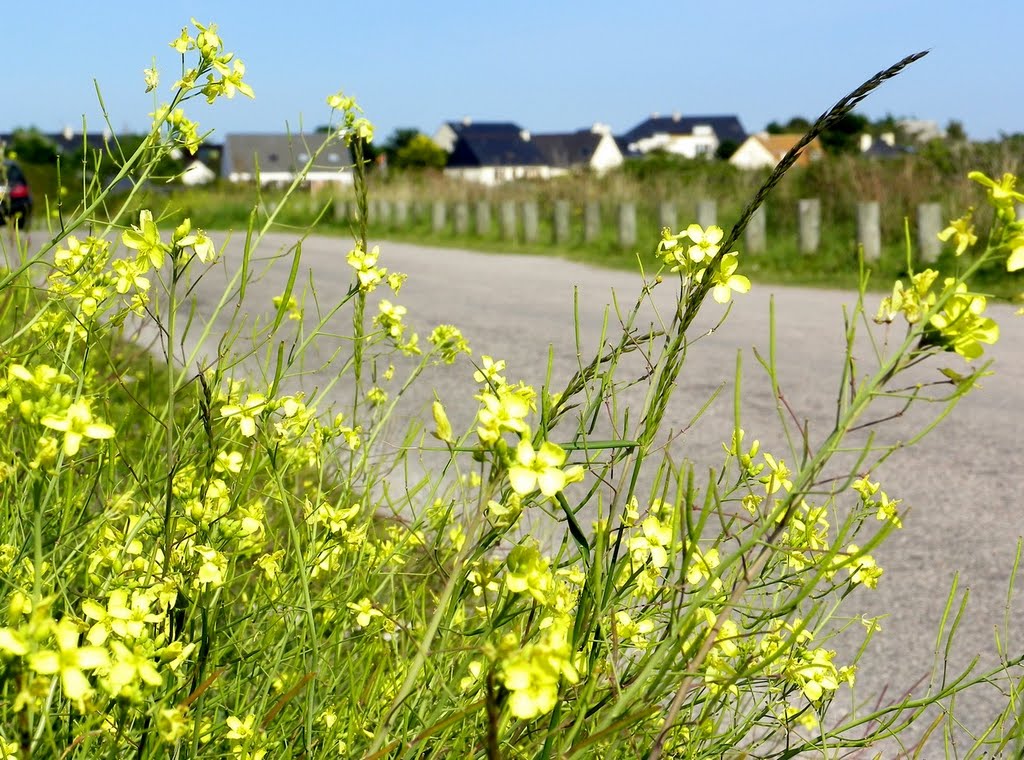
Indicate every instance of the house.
{"type": "Point", "coordinates": [593, 149]}
{"type": "Point", "coordinates": [921, 130]}
{"type": "Point", "coordinates": [277, 158]}
{"type": "Point", "coordinates": [765, 151]}
{"type": "Point", "coordinates": [449, 132]}
{"type": "Point", "coordinates": [492, 152]}
{"type": "Point", "coordinates": [883, 147]}
{"type": "Point", "coordinates": [197, 173]}
{"type": "Point", "coordinates": [689, 136]}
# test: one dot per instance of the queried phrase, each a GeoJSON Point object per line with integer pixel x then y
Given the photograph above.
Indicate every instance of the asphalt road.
{"type": "Point", "coordinates": [963, 483]}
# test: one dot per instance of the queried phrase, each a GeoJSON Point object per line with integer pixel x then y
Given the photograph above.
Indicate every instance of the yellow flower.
{"type": "Point", "coordinates": [69, 661]}
{"type": "Point", "coordinates": [76, 424]}
{"type": "Point", "coordinates": [129, 670]}
{"type": "Point", "coordinates": [527, 571]}
{"type": "Point", "coordinates": [184, 42]}
{"type": "Point", "coordinates": [254, 403]}
{"type": "Point", "coordinates": [962, 232]}
{"type": "Point", "coordinates": [778, 476]}
{"type": "Point", "coordinates": [655, 541]}
{"type": "Point", "coordinates": [540, 468]}
{"type": "Point", "coordinates": [503, 411]}
{"type": "Point", "coordinates": [365, 611]}
{"type": "Point", "coordinates": [706, 243]}
{"type": "Point", "coordinates": [145, 238]}
{"type": "Point", "coordinates": [489, 372]}
{"type": "Point", "coordinates": [726, 280]}
{"type": "Point", "coordinates": [240, 729]}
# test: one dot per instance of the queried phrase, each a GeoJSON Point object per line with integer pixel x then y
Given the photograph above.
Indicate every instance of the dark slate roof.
{"type": "Point", "coordinates": [280, 152]}
{"type": "Point", "coordinates": [485, 128]}
{"type": "Point", "coordinates": [881, 149]}
{"type": "Point", "coordinates": [725, 127]}
{"type": "Point", "coordinates": [500, 148]}
{"type": "Point", "coordinates": [567, 149]}
{"type": "Point", "coordinates": [625, 149]}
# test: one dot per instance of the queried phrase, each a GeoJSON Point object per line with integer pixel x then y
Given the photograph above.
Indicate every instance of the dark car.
{"type": "Point", "coordinates": [15, 198]}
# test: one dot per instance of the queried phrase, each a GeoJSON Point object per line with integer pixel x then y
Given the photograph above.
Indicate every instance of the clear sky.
{"type": "Point", "coordinates": [550, 66]}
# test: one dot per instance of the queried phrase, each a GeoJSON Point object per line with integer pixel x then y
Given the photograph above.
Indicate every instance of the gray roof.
{"type": "Point", "coordinates": [725, 127]}
{"type": "Point", "coordinates": [565, 149]}
{"type": "Point", "coordinates": [281, 153]}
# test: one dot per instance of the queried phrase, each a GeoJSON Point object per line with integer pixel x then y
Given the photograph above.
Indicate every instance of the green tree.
{"type": "Point", "coordinates": [398, 139]}
{"type": "Point", "coordinates": [842, 136]}
{"type": "Point", "coordinates": [955, 131]}
{"type": "Point", "coordinates": [32, 147]}
{"type": "Point", "coordinates": [725, 149]}
{"type": "Point", "coordinates": [419, 153]}
{"type": "Point", "coordinates": [797, 124]}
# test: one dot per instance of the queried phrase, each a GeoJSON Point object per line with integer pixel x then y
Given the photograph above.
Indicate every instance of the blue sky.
{"type": "Point", "coordinates": [550, 66]}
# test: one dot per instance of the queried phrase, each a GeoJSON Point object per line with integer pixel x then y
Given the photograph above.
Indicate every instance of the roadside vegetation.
{"type": "Point", "coordinates": [197, 563]}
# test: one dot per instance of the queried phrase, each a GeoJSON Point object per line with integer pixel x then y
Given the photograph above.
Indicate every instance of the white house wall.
{"type": "Point", "coordinates": [606, 155]}
{"type": "Point", "coordinates": [286, 178]}
{"type": "Point", "coordinates": [690, 146]}
{"type": "Point", "coordinates": [752, 155]}
{"type": "Point", "coordinates": [495, 175]}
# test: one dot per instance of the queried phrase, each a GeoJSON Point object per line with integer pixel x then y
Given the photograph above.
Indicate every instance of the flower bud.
{"type": "Point", "coordinates": [444, 427]}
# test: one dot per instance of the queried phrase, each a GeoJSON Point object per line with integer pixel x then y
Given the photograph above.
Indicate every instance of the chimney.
{"type": "Point", "coordinates": [888, 138]}
{"type": "Point", "coordinates": [676, 116]}
{"type": "Point", "coordinates": [466, 121]}
{"type": "Point", "coordinates": [655, 114]}
{"type": "Point", "coordinates": [525, 135]}
{"type": "Point", "coordinates": [68, 133]}
{"type": "Point", "coordinates": [600, 128]}
{"type": "Point", "coordinates": [865, 142]}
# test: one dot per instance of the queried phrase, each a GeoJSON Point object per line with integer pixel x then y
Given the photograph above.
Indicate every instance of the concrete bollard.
{"type": "Point", "coordinates": [531, 221]}
{"type": "Point", "coordinates": [461, 218]}
{"type": "Point", "coordinates": [809, 221]}
{"type": "Point", "coordinates": [929, 225]}
{"type": "Point", "coordinates": [707, 213]}
{"type": "Point", "coordinates": [401, 213]}
{"type": "Point", "coordinates": [483, 219]}
{"type": "Point", "coordinates": [591, 221]}
{"type": "Point", "coordinates": [869, 234]}
{"type": "Point", "coordinates": [439, 217]}
{"type": "Point", "coordinates": [757, 232]}
{"type": "Point", "coordinates": [627, 224]}
{"type": "Point", "coordinates": [508, 221]}
{"type": "Point", "coordinates": [562, 222]}
{"type": "Point", "coordinates": [667, 216]}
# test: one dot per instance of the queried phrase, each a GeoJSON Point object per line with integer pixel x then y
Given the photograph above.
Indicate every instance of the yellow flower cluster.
{"type": "Point", "coordinates": [694, 259]}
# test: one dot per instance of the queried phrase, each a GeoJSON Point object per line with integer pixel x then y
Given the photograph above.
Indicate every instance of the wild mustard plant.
{"type": "Point", "coordinates": [198, 563]}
